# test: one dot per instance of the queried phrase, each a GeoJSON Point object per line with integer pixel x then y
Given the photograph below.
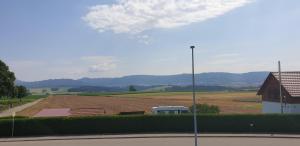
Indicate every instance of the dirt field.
{"type": "Point", "coordinates": [231, 102]}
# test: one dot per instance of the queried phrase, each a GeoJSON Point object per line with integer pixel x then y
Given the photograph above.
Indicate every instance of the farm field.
{"type": "Point", "coordinates": [108, 104]}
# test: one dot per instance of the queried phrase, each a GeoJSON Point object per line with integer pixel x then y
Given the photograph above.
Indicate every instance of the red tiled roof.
{"type": "Point", "coordinates": [290, 81]}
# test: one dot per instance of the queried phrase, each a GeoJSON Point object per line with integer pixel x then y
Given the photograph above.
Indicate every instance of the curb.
{"type": "Point", "coordinates": [146, 136]}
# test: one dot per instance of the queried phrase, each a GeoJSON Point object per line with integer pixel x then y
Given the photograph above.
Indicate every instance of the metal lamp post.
{"type": "Point", "coordinates": [280, 87]}
{"type": "Point", "coordinates": [194, 99]}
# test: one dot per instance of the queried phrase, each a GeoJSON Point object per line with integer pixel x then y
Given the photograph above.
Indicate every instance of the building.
{"type": "Point", "coordinates": [170, 110]}
{"type": "Point", "coordinates": [270, 93]}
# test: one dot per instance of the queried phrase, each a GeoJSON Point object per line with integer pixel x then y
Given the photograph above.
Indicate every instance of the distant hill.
{"type": "Point", "coordinates": [169, 88]}
{"type": "Point", "coordinates": [251, 79]}
{"type": "Point", "coordinates": [113, 89]}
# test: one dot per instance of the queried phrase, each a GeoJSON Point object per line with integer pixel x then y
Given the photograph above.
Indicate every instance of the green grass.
{"type": "Point", "coordinates": [5, 102]}
{"type": "Point", "coordinates": [39, 91]}
{"type": "Point", "coordinates": [157, 93]}
{"type": "Point", "coordinates": [157, 89]}
{"type": "Point", "coordinates": [252, 107]}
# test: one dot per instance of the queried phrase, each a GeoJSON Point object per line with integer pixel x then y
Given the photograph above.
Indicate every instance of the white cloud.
{"type": "Point", "coordinates": [135, 16]}
{"type": "Point", "coordinates": [225, 59]}
{"type": "Point", "coordinates": [26, 63]}
{"type": "Point", "coordinates": [100, 63]}
{"type": "Point", "coordinates": [87, 66]}
{"type": "Point", "coordinates": [145, 39]}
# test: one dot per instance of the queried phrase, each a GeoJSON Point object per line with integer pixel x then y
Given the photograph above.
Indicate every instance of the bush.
{"type": "Point", "coordinates": [206, 109]}
{"type": "Point", "coordinates": [131, 88]}
{"type": "Point", "coordinates": [152, 124]}
{"type": "Point", "coordinates": [54, 89]}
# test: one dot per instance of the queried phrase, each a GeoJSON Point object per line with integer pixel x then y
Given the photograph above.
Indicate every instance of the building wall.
{"type": "Point", "coordinates": [271, 90]}
{"type": "Point", "coordinates": [275, 107]}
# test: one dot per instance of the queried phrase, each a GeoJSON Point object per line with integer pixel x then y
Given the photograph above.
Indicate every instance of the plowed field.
{"type": "Point", "coordinates": [228, 102]}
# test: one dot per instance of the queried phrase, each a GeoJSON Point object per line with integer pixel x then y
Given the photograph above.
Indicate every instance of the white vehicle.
{"type": "Point", "coordinates": [170, 110]}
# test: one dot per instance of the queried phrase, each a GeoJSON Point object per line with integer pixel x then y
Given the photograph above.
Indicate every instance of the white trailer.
{"type": "Point", "coordinates": [170, 110]}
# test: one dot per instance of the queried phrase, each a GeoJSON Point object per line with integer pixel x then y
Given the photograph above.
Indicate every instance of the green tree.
{"type": "Point", "coordinates": [45, 91]}
{"type": "Point", "coordinates": [7, 79]}
{"type": "Point", "coordinates": [54, 89]}
{"type": "Point", "coordinates": [22, 92]}
{"type": "Point", "coordinates": [15, 92]}
{"type": "Point", "coordinates": [131, 88]}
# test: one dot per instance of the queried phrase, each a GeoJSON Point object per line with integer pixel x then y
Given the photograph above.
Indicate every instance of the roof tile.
{"type": "Point", "coordinates": [290, 81]}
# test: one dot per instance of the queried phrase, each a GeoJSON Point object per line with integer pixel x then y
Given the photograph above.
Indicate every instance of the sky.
{"type": "Point", "coordinates": [53, 39]}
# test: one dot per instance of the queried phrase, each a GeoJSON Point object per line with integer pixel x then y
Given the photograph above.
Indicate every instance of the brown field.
{"type": "Point", "coordinates": [228, 102]}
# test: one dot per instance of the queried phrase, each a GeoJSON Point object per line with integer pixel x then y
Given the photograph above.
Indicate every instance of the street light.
{"type": "Point", "coordinates": [194, 99]}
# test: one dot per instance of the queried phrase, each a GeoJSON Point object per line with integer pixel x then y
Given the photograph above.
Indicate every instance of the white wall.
{"type": "Point", "coordinates": [274, 107]}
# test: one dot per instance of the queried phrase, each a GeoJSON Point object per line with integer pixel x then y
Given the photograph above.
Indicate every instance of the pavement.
{"type": "Point", "coordinates": [157, 140]}
{"type": "Point", "coordinates": [16, 109]}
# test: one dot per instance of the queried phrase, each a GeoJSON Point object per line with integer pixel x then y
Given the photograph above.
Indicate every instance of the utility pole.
{"type": "Point", "coordinates": [194, 98]}
{"type": "Point", "coordinates": [280, 87]}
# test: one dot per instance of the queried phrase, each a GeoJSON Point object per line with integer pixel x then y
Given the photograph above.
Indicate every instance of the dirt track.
{"type": "Point", "coordinates": [10, 112]}
{"type": "Point", "coordinates": [98, 105]}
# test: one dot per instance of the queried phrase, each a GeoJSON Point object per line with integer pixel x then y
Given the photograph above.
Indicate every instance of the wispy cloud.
{"type": "Point", "coordinates": [145, 39]}
{"type": "Point", "coordinates": [100, 63]}
{"type": "Point", "coordinates": [86, 66]}
{"type": "Point", "coordinates": [227, 58]}
{"type": "Point", "coordinates": [26, 63]}
{"type": "Point", "coordinates": [135, 16]}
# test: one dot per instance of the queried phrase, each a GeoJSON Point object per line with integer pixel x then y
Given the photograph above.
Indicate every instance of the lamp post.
{"type": "Point", "coordinates": [280, 87]}
{"type": "Point", "coordinates": [194, 98]}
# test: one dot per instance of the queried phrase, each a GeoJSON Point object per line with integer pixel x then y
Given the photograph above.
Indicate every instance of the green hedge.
{"type": "Point", "coordinates": [205, 108]}
{"type": "Point", "coordinates": [151, 124]}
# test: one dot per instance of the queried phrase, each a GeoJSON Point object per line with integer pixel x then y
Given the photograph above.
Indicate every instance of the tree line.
{"type": "Point", "coordinates": [7, 84]}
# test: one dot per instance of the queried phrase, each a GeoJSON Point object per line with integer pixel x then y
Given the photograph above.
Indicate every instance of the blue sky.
{"type": "Point", "coordinates": [88, 38]}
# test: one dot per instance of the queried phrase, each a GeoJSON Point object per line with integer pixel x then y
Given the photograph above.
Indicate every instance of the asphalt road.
{"type": "Point", "coordinates": [156, 140]}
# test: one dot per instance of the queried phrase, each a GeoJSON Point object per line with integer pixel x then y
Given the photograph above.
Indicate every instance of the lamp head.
{"type": "Point", "coordinates": [192, 47]}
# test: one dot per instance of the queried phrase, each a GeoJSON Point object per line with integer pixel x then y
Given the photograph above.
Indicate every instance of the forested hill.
{"type": "Point", "coordinates": [253, 79]}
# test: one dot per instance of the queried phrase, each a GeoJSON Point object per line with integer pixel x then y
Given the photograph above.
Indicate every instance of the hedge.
{"type": "Point", "coordinates": [151, 124]}
{"type": "Point", "coordinates": [132, 113]}
{"type": "Point", "coordinates": [205, 109]}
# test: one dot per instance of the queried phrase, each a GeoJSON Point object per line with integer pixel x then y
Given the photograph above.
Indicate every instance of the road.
{"type": "Point", "coordinates": [16, 109]}
{"type": "Point", "coordinates": [157, 140]}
